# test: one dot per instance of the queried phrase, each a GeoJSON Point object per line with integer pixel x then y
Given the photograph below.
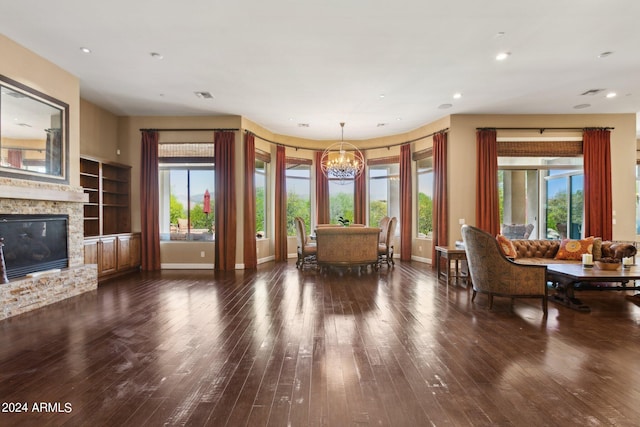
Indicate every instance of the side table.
{"type": "Point", "coordinates": [450, 254]}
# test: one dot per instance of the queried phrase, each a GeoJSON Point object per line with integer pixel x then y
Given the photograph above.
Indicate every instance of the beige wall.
{"type": "Point", "coordinates": [26, 67]}
{"type": "Point", "coordinates": [98, 133]}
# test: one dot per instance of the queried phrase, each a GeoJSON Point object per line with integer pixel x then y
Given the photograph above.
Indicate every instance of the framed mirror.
{"type": "Point", "coordinates": [34, 138]}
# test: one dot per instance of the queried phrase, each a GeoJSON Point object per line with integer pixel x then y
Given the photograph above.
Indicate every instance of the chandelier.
{"type": "Point", "coordinates": [342, 161]}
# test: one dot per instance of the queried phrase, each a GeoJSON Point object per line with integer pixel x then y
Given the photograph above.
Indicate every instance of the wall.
{"type": "Point", "coordinates": [462, 161]}
{"type": "Point", "coordinates": [98, 133]}
{"type": "Point", "coordinates": [24, 66]}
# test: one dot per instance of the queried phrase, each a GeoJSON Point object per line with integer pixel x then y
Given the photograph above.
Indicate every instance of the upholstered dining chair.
{"type": "Point", "coordinates": [307, 250]}
{"type": "Point", "coordinates": [383, 224]}
{"type": "Point", "coordinates": [385, 250]}
{"type": "Point", "coordinates": [495, 275]}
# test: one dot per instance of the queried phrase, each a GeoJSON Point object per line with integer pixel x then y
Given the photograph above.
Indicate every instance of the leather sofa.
{"type": "Point", "coordinates": [544, 251]}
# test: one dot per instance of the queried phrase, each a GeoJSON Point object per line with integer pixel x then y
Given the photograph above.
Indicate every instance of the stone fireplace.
{"type": "Point", "coordinates": [35, 199]}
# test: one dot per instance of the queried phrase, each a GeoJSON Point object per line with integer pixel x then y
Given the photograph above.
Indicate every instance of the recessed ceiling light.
{"type": "Point", "coordinates": [85, 50]}
{"type": "Point", "coordinates": [382, 96]}
{"type": "Point", "coordinates": [156, 55]}
{"type": "Point", "coordinates": [457, 95]}
{"type": "Point", "coordinates": [502, 56]}
{"type": "Point", "coordinates": [605, 54]}
{"type": "Point", "coordinates": [611, 95]}
{"type": "Point", "coordinates": [581, 106]}
{"type": "Point", "coordinates": [399, 118]}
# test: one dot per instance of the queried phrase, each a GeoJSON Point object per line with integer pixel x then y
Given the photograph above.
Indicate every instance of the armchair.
{"type": "Point", "coordinates": [495, 275]}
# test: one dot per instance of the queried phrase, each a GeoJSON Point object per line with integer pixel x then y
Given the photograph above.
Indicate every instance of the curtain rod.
{"type": "Point", "coordinates": [542, 129]}
{"type": "Point", "coordinates": [368, 148]}
{"type": "Point", "coordinates": [191, 130]}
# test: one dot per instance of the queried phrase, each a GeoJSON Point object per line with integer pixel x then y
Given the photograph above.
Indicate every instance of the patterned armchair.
{"type": "Point", "coordinates": [495, 275]}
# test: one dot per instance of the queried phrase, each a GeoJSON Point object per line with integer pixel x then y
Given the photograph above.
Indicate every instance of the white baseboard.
{"type": "Point", "coordinates": [176, 266]}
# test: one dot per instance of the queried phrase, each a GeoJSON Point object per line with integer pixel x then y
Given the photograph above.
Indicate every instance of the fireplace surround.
{"type": "Point", "coordinates": [29, 198]}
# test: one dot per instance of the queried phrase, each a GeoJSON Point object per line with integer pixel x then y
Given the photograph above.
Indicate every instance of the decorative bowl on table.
{"type": "Point", "coordinates": [610, 264]}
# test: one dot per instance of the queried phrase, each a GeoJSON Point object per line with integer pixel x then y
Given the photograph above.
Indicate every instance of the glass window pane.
{"type": "Point", "coordinates": [384, 190]}
{"type": "Point", "coordinates": [341, 200]}
{"type": "Point", "coordinates": [261, 198]}
{"type": "Point", "coordinates": [298, 197]}
{"type": "Point", "coordinates": [185, 212]}
{"type": "Point", "coordinates": [425, 197]}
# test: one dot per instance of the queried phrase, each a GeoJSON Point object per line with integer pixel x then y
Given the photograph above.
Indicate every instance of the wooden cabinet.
{"type": "Point", "coordinates": [115, 254]}
{"type": "Point", "coordinates": [109, 242]}
{"type": "Point", "coordinates": [108, 186]}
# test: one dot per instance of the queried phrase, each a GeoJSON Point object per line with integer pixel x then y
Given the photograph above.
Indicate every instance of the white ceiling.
{"type": "Point", "coordinates": [281, 63]}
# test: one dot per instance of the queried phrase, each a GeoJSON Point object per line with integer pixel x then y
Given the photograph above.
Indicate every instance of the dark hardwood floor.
{"type": "Point", "coordinates": [287, 348]}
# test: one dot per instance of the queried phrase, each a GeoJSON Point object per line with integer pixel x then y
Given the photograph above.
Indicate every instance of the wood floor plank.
{"type": "Point", "coordinates": [278, 346]}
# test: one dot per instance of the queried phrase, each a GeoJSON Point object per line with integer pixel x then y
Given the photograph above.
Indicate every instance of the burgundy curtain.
{"type": "Point", "coordinates": [281, 252]}
{"type": "Point", "coordinates": [598, 214]}
{"type": "Point", "coordinates": [149, 201]}
{"type": "Point", "coordinates": [322, 192]}
{"type": "Point", "coordinates": [440, 205]}
{"type": "Point", "coordinates": [249, 228]}
{"type": "Point", "coordinates": [225, 206]}
{"type": "Point", "coordinates": [15, 158]}
{"type": "Point", "coordinates": [360, 199]}
{"type": "Point", "coordinates": [487, 211]}
{"type": "Point", "coordinates": [405, 203]}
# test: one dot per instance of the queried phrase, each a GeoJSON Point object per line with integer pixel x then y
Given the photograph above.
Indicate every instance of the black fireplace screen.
{"type": "Point", "coordinates": [33, 243]}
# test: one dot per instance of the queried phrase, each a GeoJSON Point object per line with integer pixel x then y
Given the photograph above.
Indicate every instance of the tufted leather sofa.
{"type": "Point", "coordinates": [544, 251]}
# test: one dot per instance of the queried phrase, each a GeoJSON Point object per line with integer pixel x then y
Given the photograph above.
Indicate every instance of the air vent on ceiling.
{"type": "Point", "coordinates": [592, 92]}
{"type": "Point", "coordinates": [204, 95]}
{"type": "Point", "coordinates": [303, 125]}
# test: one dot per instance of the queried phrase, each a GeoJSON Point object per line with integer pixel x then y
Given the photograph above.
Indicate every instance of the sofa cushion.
{"type": "Point", "coordinates": [506, 246]}
{"type": "Point", "coordinates": [571, 249]}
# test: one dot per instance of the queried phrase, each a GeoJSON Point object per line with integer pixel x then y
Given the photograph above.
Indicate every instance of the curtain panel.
{"type": "Point", "coordinates": [281, 252]}
{"type": "Point", "coordinates": [405, 203]}
{"type": "Point", "coordinates": [440, 200]}
{"type": "Point", "coordinates": [322, 192]}
{"type": "Point", "coordinates": [487, 204]}
{"type": "Point", "coordinates": [225, 206]}
{"type": "Point", "coordinates": [149, 202]}
{"type": "Point", "coordinates": [249, 225]}
{"type": "Point", "coordinates": [598, 213]}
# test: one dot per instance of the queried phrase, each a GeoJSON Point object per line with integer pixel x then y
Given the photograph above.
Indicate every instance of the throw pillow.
{"type": "Point", "coordinates": [574, 249]}
{"type": "Point", "coordinates": [506, 246]}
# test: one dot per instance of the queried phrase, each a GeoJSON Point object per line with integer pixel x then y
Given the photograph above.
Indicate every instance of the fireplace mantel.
{"type": "Point", "coordinates": [36, 193]}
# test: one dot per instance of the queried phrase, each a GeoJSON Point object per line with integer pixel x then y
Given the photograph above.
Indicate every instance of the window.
{"type": "Point", "coordinates": [261, 197]}
{"type": "Point", "coordinates": [341, 200]}
{"type": "Point", "coordinates": [544, 192]}
{"type": "Point", "coordinates": [424, 172]}
{"type": "Point", "coordinates": [384, 190]}
{"type": "Point", "coordinates": [298, 182]}
{"type": "Point", "coordinates": [187, 198]}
